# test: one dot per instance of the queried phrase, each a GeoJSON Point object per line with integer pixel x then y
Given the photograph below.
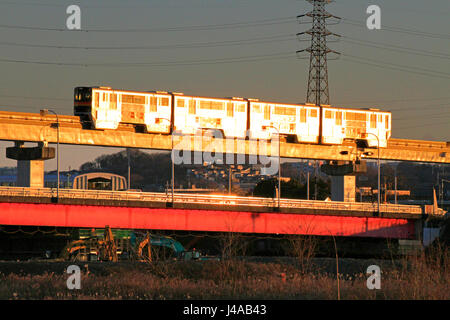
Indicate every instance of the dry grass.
{"type": "Point", "coordinates": [415, 277]}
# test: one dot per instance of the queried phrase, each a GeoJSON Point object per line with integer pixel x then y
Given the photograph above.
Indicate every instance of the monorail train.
{"type": "Point", "coordinates": [164, 112]}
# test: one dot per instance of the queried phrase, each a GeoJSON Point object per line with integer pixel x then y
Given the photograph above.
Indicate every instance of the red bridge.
{"type": "Point", "coordinates": [215, 213]}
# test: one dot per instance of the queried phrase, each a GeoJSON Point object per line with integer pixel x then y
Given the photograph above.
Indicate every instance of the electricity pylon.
{"type": "Point", "coordinates": [318, 92]}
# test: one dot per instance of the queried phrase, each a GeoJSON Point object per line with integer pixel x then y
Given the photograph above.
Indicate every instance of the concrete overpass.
{"type": "Point", "coordinates": [31, 127]}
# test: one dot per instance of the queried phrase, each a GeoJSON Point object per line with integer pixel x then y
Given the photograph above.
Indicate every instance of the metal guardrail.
{"type": "Point", "coordinates": [208, 199]}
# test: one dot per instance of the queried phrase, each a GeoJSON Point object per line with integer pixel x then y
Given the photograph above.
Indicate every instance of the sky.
{"type": "Point", "coordinates": [223, 48]}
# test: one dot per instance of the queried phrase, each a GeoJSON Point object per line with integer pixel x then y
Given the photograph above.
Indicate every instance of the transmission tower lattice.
{"type": "Point", "coordinates": [318, 92]}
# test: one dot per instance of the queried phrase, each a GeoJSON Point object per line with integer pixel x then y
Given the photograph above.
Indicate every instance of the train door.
{"type": "Point", "coordinates": [327, 125]}
{"type": "Point", "coordinates": [302, 125]}
{"type": "Point", "coordinates": [257, 121]}
{"type": "Point", "coordinates": [102, 111]}
{"type": "Point", "coordinates": [107, 114]}
{"type": "Point", "coordinates": [313, 122]}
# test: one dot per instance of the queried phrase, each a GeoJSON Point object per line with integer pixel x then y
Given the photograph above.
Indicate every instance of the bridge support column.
{"type": "Point", "coordinates": [343, 179]}
{"type": "Point", "coordinates": [30, 163]}
{"type": "Point", "coordinates": [30, 173]}
{"type": "Point", "coordinates": [343, 188]}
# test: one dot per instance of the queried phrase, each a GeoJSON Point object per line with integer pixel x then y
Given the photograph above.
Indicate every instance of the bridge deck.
{"type": "Point", "coordinates": [30, 127]}
{"type": "Point", "coordinates": [137, 210]}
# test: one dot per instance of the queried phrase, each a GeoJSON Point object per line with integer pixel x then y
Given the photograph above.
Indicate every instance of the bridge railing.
{"type": "Point", "coordinates": [226, 200]}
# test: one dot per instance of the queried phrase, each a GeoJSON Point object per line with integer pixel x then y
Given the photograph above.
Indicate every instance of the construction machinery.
{"type": "Point", "coordinates": [114, 245]}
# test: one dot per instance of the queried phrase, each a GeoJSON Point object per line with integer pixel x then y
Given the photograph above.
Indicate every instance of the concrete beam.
{"type": "Point", "coordinates": [35, 153]}
{"type": "Point", "coordinates": [15, 126]}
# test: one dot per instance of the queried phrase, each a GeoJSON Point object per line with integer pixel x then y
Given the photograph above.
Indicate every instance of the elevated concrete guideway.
{"type": "Point", "coordinates": [31, 127]}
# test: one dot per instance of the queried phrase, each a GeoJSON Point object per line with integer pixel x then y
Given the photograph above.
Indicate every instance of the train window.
{"type": "Point", "coordinates": [285, 111]}
{"type": "Point", "coordinates": [266, 112]}
{"type": "Point", "coordinates": [240, 107]}
{"type": "Point", "coordinates": [359, 116]}
{"type": "Point", "coordinates": [192, 106]}
{"type": "Point", "coordinates": [256, 108]}
{"type": "Point", "coordinates": [180, 103]}
{"type": "Point", "coordinates": [373, 121]}
{"type": "Point", "coordinates": [139, 99]}
{"type": "Point", "coordinates": [113, 101]}
{"type": "Point", "coordinates": [96, 98]}
{"type": "Point", "coordinates": [217, 105]}
{"type": "Point", "coordinates": [163, 101]}
{"type": "Point", "coordinates": [205, 104]}
{"type": "Point", "coordinates": [126, 98]}
{"type": "Point", "coordinates": [386, 122]}
{"type": "Point", "coordinates": [230, 110]}
{"type": "Point", "coordinates": [153, 104]}
{"type": "Point", "coordinates": [380, 118]}
{"type": "Point", "coordinates": [303, 115]}
{"type": "Point", "coordinates": [313, 113]}
{"type": "Point", "coordinates": [328, 114]}
{"type": "Point", "coordinates": [339, 118]}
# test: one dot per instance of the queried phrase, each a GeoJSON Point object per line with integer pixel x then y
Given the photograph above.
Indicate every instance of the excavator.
{"type": "Point", "coordinates": [135, 246]}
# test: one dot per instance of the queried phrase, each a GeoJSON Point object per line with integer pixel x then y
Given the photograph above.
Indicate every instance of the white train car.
{"type": "Point", "coordinates": [299, 123]}
{"type": "Point", "coordinates": [106, 108]}
{"type": "Point", "coordinates": [339, 124]}
{"type": "Point", "coordinates": [194, 114]}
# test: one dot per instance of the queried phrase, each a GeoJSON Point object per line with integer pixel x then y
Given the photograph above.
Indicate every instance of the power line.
{"type": "Point", "coordinates": [399, 100]}
{"type": "Point", "coordinates": [397, 67]}
{"type": "Point", "coordinates": [282, 55]}
{"type": "Point", "coordinates": [27, 107]}
{"type": "Point", "coordinates": [399, 29]}
{"type": "Point", "coordinates": [247, 24]}
{"type": "Point", "coordinates": [396, 48]}
{"type": "Point", "coordinates": [34, 98]}
{"type": "Point", "coordinates": [428, 116]}
{"type": "Point", "coordinates": [435, 106]}
{"type": "Point", "coordinates": [423, 125]}
{"type": "Point", "coordinates": [268, 39]}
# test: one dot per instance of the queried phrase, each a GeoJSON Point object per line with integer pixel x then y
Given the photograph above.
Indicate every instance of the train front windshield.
{"type": "Point", "coordinates": [83, 94]}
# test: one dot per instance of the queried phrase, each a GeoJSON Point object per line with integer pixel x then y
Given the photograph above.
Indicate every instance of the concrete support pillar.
{"type": "Point", "coordinates": [343, 179]}
{"type": "Point", "coordinates": [343, 188]}
{"type": "Point", "coordinates": [30, 163]}
{"type": "Point", "coordinates": [30, 173]}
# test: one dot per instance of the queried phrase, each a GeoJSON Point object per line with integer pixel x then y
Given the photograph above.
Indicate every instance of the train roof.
{"type": "Point", "coordinates": [323, 106]}
{"type": "Point", "coordinates": [251, 100]}
{"type": "Point", "coordinates": [128, 91]}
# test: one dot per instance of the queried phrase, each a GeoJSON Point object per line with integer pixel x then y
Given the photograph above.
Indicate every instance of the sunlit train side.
{"type": "Point", "coordinates": [105, 108]}
{"type": "Point", "coordinates": [339, 124]}
{"type": "Point", "coordinates": [229, 116]}
{"type": "Point", "coordinates": [297, 123]}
